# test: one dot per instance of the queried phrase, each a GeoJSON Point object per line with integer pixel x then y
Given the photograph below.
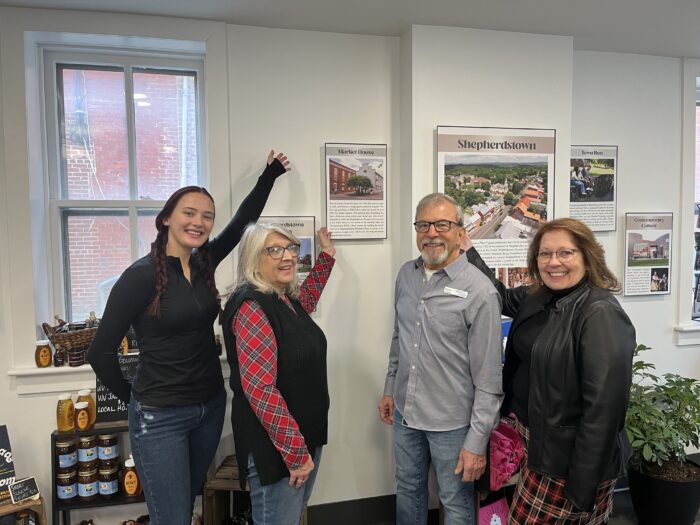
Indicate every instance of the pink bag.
{"type": "Point", "coordinates": [505, 454]}
{"type": "Point", "coordinates": [495, 513]}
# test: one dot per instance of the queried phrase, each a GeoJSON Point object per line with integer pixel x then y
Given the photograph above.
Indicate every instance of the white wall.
{"type": "Point", "coordinates": [634, 102]}
{"type": "Point", "coordinates": [290, 90]}
{"type": "Point", "coordinates": [469, 77]}
{"type": "Point", "coordinates": [295, 90]}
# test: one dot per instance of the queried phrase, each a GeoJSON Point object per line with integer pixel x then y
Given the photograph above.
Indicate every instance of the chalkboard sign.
{"type": "Point", "coordinates": [109, 407]}
{"type": "Point", "coordinates": [131, 340]}
{"type": "Point", "coordinates": [7, 468]}
{"type": "Point", "coordinates": [23, 490]}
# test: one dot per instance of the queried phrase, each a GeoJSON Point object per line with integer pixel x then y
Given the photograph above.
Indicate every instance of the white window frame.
{"type": "Point", "coordinates": [56, 203]}
{"type": "Point", "coordinates": [687, 331]}
{"type": "Point", "coordinates": [23, 36]}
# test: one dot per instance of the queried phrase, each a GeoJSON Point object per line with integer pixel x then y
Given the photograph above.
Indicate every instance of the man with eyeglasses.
{"type": "Point", "coordinates": [443, 390]}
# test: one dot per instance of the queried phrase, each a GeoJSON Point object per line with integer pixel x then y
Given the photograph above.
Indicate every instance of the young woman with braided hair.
{"type": "Point", "coordinates": [177, 400]}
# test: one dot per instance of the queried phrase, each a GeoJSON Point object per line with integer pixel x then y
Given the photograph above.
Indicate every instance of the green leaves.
{"type": "Point", "coordinates": [663, 417]}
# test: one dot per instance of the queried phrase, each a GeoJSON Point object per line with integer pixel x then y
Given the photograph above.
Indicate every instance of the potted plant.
{"type": "Point", "coordinates": [663, 419]}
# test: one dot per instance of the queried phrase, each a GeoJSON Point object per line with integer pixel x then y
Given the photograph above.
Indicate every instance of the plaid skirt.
{"type": "Point", "coordinates": [540, 500]}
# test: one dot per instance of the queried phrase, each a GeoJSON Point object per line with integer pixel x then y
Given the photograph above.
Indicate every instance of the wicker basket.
{"type": "Point", "coordinates": [75, 340]}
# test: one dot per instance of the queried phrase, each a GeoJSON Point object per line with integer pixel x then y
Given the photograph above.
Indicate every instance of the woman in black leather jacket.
{"type": "Point", "coordinates": [567, 377]}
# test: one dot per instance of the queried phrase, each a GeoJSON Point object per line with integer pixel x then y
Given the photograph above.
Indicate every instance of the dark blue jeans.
{"type": "Point", "coordinates": [173, 448]}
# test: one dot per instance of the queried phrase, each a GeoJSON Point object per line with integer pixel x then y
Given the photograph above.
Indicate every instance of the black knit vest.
{"type": "Point", "coordinates": [301, 379]}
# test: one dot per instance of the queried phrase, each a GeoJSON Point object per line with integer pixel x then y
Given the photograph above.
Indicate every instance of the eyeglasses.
{"type": "Point", "coordinates": [440, 226]}
{"type": "Point", "coordinates": [563, 255]}
{"type": "Point", "coordinates": [277, 252]}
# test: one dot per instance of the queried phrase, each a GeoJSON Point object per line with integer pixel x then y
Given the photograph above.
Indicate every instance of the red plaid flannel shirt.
{"type": "Point", "coordinates": [257, 358]}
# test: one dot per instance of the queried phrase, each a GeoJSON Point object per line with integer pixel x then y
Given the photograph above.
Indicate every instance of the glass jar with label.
{"type": "Point", "coordinates": [107, 446]}
{"type": "Point", "coordinates": [82, 417]}
{"type": "Point", "coordinates": [87, 452]}
{"type": "Point", "coordinates": [42, 354]}
{"type": "Point", "coordinates": [66, 454]}
{"type": "Point", "coordinates": [85, 394]}
{"type": "Point", "coordinates": [65, 414]}
{"type": "Point", "coordinates": [88, 489]}
{"type": "Point", "coordinates": [108, 482]}
{"type": "Point", "coordinates": [67, 485]}
{"type": "Point", "coordinates": [132, 483]}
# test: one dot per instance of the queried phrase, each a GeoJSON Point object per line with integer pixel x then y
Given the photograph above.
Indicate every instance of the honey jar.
{"type": "Point", "coordinates": [87, 452]}
{"type": "Point", "coordinates": [132, 483]}
{"type": "Point", "coordinates": [88, 489]}
{"type": "Point", "coordinates": [65, 414]}
{"type": "Point", "coordinates": [42, 354]}
{"type": "Point", "coordinates": [66, 454]}
{"type": "Point", "coordinates": [66, 485]}
{"type": "Point", "coordinates": [86, 395]}
{"type": "Point", "coordinates": [82, 416]}
{"type": "Point", "coordinates": [107, 446]}
{"type": "Point", "coordinates": [108, 482]}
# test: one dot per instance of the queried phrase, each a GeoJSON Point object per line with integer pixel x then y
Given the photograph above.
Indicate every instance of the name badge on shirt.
{"type": "Point", "coordinates": [454, 291]}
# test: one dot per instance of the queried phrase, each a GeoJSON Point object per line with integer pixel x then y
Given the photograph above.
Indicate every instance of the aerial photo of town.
{"type": "Point", "coordinates": [503, 197]}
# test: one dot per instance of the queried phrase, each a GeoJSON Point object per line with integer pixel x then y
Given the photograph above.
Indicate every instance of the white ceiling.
{"type": "Point", "coordinates": [654, 27]}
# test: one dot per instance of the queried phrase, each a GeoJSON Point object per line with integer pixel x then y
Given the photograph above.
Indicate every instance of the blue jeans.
{"type": "Point", "coordinates": [414, 450]}
{"type": "Point", "coordinates": [173, 448]}
{"type": "Point", "coordinates": [278, 503]}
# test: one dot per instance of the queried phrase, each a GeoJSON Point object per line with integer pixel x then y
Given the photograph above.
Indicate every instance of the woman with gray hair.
{"type": "Point", "coordinates": [277, 356]}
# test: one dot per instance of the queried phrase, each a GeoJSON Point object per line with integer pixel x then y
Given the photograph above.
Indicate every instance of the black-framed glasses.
{"type": "Point", "coordinates": [277, 252]}
{"type": "Point", "coordinates": [563, 255]}
{"type": "Point", "coordinates": [440, 226]}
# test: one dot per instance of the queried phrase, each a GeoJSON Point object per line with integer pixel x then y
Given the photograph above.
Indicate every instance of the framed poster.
{"type": "Point", "coordinates": [356, 189]}
{"type": "Point", "coordinates": [593, 186]}
{"type": "Point", "coordinates": [648, 238]}
{"type": "Point", "coordinates": [304, 228]}
{"type": "Point", "coordinates": [503, 179]}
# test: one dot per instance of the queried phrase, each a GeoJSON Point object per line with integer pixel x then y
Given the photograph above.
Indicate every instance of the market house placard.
{"type": "Point", "coordinates": [503, 178]}
{"type": "Point", "coordinates": [356, 181]}
{"type": "Point", "coordinates": [648, 244]}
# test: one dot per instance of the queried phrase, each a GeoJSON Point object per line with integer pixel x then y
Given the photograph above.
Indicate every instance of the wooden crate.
{"type": "Point", "coordinates": [37, 505]}
{"type": "Point", "coordinates": [222, 490]}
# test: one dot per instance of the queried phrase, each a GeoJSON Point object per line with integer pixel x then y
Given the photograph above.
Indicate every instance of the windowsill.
{"type": "Point", "coordinates": [687, 334]}
{"type": "Point", "coordinates": [55, 380]}
{"type": "Point", "coordinates": [52, 380]}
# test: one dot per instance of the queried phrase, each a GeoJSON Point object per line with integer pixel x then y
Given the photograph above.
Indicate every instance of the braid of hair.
{"type": "Point", "coordinates": [159, 254]}
{"type": "Point", "coordinates": [208, 271]}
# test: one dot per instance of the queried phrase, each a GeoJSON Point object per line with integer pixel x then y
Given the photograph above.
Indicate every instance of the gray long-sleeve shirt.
{"type": "Point", "coordinates": [445, 359]}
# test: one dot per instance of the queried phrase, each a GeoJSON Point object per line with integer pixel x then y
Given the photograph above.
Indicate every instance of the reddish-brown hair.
{"type": "Point", "coordinates": [593, 254]}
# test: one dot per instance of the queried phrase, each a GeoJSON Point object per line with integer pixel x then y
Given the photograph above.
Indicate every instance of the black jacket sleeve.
{"type": "Point", "coordinates": [249, 211]}
{"type": "Point", "coordinates": [510, 297]}
{"type": "Point", "coordinates": [604, 360]}
{"type": "Point", "coordinates": [129, 297]}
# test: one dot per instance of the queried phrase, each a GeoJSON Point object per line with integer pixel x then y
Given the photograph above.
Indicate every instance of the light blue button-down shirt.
{"type": "Point", "coordinates": [445, 359]}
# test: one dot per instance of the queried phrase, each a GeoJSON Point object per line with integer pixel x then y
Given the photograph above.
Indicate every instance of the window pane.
{"type": "Point", "coordinates": [165, 113]}
{"type": "Point", "coordinates": [97, 249]}
{"type": "Point", "coordinates": [147, 230]}
{"type": "Point", "coordinates": [93, 137]}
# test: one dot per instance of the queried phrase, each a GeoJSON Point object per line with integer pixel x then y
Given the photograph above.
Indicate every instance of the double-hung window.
{"type": "Point", "coordinates": [123, 132]}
